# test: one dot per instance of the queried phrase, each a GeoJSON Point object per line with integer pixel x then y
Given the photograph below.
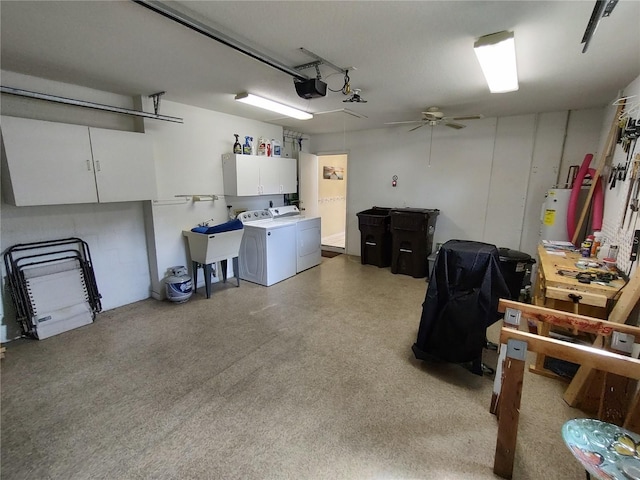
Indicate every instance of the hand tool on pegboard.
{"type": "Point", "coordinates": [617, 173]}
{"type": "Point", "coordinates": [633, 200]}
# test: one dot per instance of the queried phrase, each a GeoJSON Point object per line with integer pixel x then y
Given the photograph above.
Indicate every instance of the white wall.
{"type": "Point", "coordinates": [488, 179]}
{"type": "Point", "coordinates": [132, 243]}
{"type": "Point", "coordinates": [189, 161]}
{"type": "Point", "coordinates": [113, 231]}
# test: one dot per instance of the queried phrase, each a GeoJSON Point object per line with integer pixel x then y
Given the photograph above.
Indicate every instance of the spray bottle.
{"type": "Point", "coordinates": [237, 148]}
{"type": "Point", "coordinates": [248, 146]}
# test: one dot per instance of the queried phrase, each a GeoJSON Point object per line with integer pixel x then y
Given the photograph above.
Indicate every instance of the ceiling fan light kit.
{"type": "Point", "coordinates": [272, 106]}
{"type": "Point", "coordinates": [497, 56]}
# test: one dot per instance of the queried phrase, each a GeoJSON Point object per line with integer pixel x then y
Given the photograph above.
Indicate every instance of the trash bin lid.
{"type": "Point", "coordinates": [508, 255]}
{"type": "Point", "coordinates": [419, 211]}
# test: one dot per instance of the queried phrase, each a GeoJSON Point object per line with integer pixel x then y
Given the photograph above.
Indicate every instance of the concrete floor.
{"type": "Point", "coordinates": [312, 378]}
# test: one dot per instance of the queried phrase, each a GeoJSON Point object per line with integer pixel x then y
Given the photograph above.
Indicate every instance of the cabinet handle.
{"type": "Point", "coordinates": [98, 164]}
{"type": "Point", "coordinates": [88, 165]}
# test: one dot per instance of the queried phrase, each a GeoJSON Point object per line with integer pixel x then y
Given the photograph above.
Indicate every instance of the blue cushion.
{"type": "Point", "coordinates": [234, 224]}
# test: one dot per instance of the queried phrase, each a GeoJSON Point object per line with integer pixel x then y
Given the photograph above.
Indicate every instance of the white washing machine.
{"type": "Point", "coordinates": [267, 249]}
{"type": "Point", "coordinates": [308, 235]}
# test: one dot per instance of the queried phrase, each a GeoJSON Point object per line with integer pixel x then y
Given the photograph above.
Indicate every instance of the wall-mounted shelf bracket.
{"type": "Point", "coordinates": [156, 101]}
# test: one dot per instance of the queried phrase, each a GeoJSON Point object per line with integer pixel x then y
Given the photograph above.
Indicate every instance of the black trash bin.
{"type": "Point", "coordinates": [514, 266]}
{"type": "Point", "coordinates": [375, 236]}
{"type": "Point", "coordinates": [412, 232]}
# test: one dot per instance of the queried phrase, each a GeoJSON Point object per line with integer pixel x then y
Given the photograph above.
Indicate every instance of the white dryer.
{"type": "Point", "coordinates": [308, 235]}
{"type": "Point", "coordinates": [267, 249]}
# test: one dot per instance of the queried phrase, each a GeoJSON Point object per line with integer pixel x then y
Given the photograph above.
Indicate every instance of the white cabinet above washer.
{"type": "Point", "coordinates": [249, 175]}
{"type": "Point", "coordinates": [50, 163]}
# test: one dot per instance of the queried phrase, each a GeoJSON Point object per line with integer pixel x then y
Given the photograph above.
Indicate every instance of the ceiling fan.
{"type": "Point", "coordinates": [433, 116]}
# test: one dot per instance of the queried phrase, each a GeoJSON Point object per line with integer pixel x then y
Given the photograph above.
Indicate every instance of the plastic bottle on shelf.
{"type": "Point", "coordinates": [237, 148]}
{"type": "Point", "coordinates": [275, 148]}
{"type": "Point", "coordinates": [262, 146]}
{"type": "Point", "coordinates": [247, 148]}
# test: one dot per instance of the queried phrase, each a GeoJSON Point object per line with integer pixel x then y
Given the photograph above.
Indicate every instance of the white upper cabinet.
{"type": "Point", "coordinates": [125, 170]}
{"type": "Point", "coordinates": [247, 175]}
{"type": "Point", "coordinates": [49, 163]}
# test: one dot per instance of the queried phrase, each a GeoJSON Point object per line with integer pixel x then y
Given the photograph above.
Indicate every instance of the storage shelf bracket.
{"type": "Point", "coordinates": [156, 101]}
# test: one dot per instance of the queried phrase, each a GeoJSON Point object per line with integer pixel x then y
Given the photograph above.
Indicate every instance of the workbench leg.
{"type": "Point", "coordinates": [580, 381]}
{"type": "Point", "coordinates": [510, 396]}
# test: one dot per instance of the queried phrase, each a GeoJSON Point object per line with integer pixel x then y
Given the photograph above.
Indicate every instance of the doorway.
{"type": "Point", "coordinates": [323, 193]}
{"type": "Point", "coordinates": [332, 200]}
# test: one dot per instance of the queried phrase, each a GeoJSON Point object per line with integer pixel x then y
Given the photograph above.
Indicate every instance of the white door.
{"type": "Point", "coordinates": [247, 175]}
{"type": "Point", "coordinates": [269, 176]}
{"type": "Point", "coordinates": [124, 165]}
{"type": "Point", "coordinates": [308, 170]}
{"type": "Point", "coordinates": [288, 175]}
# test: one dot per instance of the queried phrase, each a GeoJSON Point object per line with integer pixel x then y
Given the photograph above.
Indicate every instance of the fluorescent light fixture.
{"type": "Point", "coordinates": [497, 56]}
{"type": "Point", "coordinates": [272, 106]}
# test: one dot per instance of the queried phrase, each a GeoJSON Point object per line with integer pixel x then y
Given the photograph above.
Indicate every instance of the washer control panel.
{"type": "Point", "coordinates": [253, 215]}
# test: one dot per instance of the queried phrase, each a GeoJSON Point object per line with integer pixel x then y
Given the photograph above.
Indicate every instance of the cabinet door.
{"type": "Point", "coordinates": [269, 176]}
{"type": "Point", "coordinates": [247, 176]}
{"type": "Point", "coordinates": [288, 175]}
{"type": "Point", "coordinates": [46, 163]}
{"type": "Point", "coordinates": [124, 165]}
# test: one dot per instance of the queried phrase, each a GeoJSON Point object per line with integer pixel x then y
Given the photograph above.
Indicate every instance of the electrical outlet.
{"type": "Point", "coordinates": [634, 245]}
{"type": "Point", "coordinates": [622, 342]}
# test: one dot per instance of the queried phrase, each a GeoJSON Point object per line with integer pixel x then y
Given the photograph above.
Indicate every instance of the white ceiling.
{"type": "Point", "coordinates": [408, 55]}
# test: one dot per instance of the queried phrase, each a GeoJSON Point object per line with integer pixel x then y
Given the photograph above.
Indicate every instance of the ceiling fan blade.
{"type": "Point", "coordinates": [467, 117]}
{"type": "Point", "coordinates": [457, 126]}
{"type": "Point", "coordinates": [403, 123]}
{"type": "Point", "coordinates": [415, 128]}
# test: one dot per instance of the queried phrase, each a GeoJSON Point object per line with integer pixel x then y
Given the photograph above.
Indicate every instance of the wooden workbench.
{"type": "Point", "coordinates": [553, 290]}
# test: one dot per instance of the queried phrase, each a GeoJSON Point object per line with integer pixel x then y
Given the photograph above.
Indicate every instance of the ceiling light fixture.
{"type": "Point", "coordinates": [497, 56]}
{"type": "Point", "coordinates": [260, 102]}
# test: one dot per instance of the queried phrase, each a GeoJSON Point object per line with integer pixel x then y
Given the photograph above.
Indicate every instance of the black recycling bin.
{"type": "Point", "coordinates": [412, 232]}
{"type": "Point", "coordinates": [375, 237]}
{"type": "Point", "coordinates": [514, 266]}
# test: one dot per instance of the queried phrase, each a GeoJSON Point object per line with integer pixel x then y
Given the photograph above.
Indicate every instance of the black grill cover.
{"type": "Point", "coordinates": [461, 302]}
